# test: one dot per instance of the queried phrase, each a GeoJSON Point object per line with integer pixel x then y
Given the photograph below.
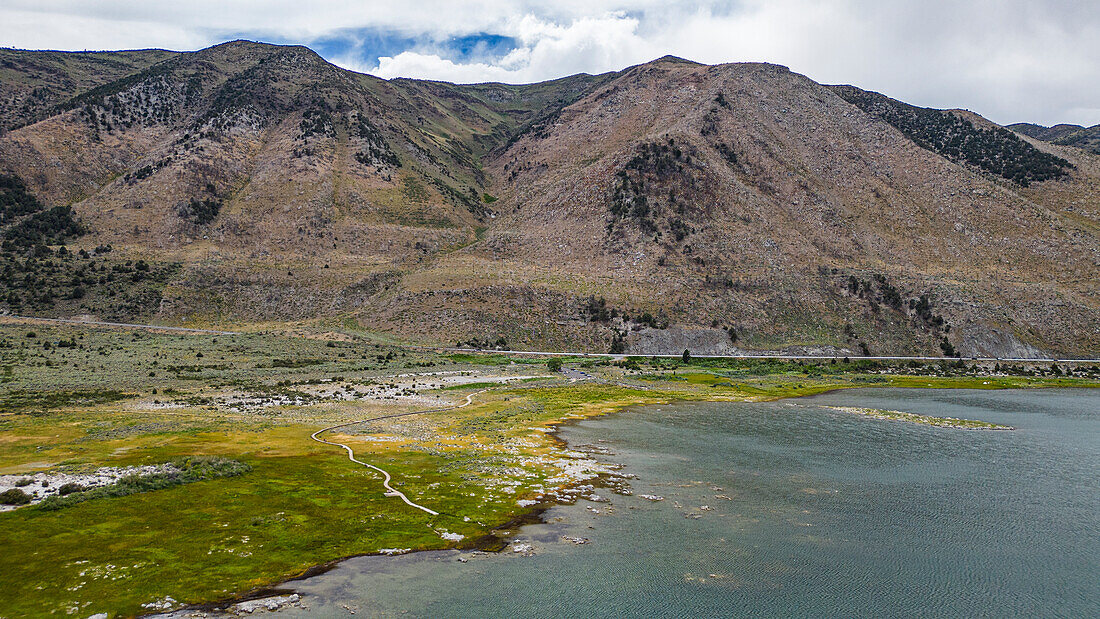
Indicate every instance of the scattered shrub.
{"type": "Point", "coordinates": [200, 212]}
{"type": "Point", "coordinates": [995, 150]}
{"type": "Point", "coordinates": [182, 471]}
{"type": "Point", "coordinates": [15, 496]}
{"type": "Point", "coordinates": [70, 488]}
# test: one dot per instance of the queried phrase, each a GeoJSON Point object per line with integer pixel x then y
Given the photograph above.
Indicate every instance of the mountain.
{"type": "Point", "coordinates": [1046, 134]}
{"type": "Point", "coordinates": [36, 82]}
{"type": "Point", "coordinates": [668, 206]}
{"type": "Point", "coordinates": [1087, 138]}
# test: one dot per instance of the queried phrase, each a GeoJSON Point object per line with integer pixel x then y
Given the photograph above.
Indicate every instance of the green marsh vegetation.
{"type": "Point", "coordinates": [76, 398]}
{"type": "Point", "coordinates": [181, 471]}
{"type": "Point", "coordinates": [285, 503]}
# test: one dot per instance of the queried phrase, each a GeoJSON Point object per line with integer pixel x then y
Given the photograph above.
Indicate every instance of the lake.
{"type": "Point", "coordinates": [790, 508]}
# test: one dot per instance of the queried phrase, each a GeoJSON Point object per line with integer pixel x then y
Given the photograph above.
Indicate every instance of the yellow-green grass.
{"type": "Point", "coordinates": [303, 503]}
{"type": "Point", "coordinates": [790, 385]}
{"type": "Point", "coordinates": [208, 540]}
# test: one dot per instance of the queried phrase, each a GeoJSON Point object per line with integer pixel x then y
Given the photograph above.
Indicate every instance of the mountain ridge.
{"type": "Point", "coordinates": [718, 207]}
{"type": "Point", "coordinates": [1087, 138]}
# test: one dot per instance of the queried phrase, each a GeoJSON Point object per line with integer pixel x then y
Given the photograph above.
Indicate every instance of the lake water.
{"type": "Point", "coordinates": [808, 512]}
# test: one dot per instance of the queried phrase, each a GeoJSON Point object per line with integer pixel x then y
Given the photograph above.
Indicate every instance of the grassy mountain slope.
{"type": "Point", "coordinates": [1087, 138]}
{"type": "Point", "coordinates": [287, 186]}
{"type": "Point", "coordinates": [772, 192]}
{"type": "Point", "coordinates": [36, 82]}
{"type": "Point", "coordinates": [671, 205]}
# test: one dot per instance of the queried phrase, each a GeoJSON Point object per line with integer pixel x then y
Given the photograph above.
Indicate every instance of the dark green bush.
{"type": "Point", "coordinates": [184, 471]}
{"type": "Point", "coordinates": [70, 488]}
{"type": "Point", "coordinates": [201, 212]}
{"type": "Point", "coordinates": [995, 149]}
{"type": "Point", "coordinates": [15, 496]}
{"type": "Point", "coordinates": [44, 228]}
{"type": "Point", "coordinates": [15, 200]}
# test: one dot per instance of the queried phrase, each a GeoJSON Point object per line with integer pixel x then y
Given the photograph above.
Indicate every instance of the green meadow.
{"type": "Point", "coordinates": [74, 398]}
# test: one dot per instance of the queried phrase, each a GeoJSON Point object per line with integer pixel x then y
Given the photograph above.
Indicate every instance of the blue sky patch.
{"type": "Point", "coordinates": [367, 45]}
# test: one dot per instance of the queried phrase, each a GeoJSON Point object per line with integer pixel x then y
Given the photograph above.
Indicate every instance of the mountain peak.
{"type": "Point", "coordinates": [252, 45]}
{"type": "Point", "coordinates": [242, 49]}
{"type": "Point", "coordinates": [670, 59]}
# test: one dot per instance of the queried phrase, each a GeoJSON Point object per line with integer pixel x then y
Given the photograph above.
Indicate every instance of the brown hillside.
{"type": "Point", "coordinates": [694, 200]}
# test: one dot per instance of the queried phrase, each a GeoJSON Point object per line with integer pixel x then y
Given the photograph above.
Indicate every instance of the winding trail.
{"type": "Point", "coordinates": [387, 478]}
{"type": "Point", "coordinates": [125, 325]}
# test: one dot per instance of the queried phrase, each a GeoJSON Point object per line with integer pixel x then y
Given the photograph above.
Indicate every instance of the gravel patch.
{"type": "Point", "coordinates": [40, 486]}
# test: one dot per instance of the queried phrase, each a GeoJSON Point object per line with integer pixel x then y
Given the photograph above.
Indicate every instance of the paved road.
{"type": "Point", "coordinates": [545, 353]}
{"type": "Point", "coordinates": [390, 490]}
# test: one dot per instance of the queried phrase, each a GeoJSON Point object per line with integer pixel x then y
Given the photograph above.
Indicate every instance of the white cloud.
{"type": "Point", "coordinates": [1008, 59]}
{"type": "Point", "coordinates": [431, 66]}
{"type": "Point", "coordinates": [32, 30]}
{"type": "Point", "coordinates": [547, 51]}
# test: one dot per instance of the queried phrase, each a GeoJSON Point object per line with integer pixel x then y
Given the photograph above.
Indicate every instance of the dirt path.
{"type": "Point", "coordinates": [127, 325]}
{"type": "Point", "coordinates": [390, 490]}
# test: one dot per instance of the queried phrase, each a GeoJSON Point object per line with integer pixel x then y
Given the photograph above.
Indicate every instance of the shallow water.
{"type": "Point", "coordinates": [812, 512]}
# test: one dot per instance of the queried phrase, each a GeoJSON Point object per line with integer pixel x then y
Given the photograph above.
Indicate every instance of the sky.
{"type": "Point", "coordinates": [1009, 60]}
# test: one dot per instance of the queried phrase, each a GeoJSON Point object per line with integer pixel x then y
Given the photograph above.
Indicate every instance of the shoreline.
{"type": "Point", "coordinates": [490, 541]}
{"type": "Point", "coordinates": [483, 543]}
{"type": "Point", "coordinates": [260, 398]}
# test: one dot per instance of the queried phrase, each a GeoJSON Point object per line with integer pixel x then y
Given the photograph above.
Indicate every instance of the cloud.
{"type": "Point", "coordinates": [546, 51]}
{"type": "Point", "coordinates": [32, 30]}
{"type": "Point", "coordinates": [1010, 60]}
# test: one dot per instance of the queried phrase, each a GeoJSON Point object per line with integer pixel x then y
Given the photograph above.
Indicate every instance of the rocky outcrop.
{"type": "Point", "coordinates": [675, 340]}
{"type": "Point", "coordinates": [980, 340]}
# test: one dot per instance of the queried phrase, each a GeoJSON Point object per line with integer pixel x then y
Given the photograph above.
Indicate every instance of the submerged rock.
{"type": "Point", "coordinates": [271, 603]}
{"type": "Point", "coordinates": [523, 548]}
